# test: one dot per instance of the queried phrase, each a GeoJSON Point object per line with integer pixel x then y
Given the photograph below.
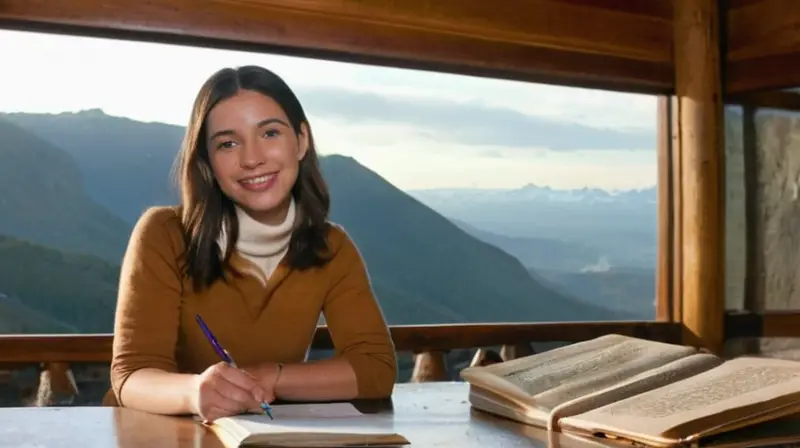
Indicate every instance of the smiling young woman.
{"type": "Point", "coordinates": [250, 249]}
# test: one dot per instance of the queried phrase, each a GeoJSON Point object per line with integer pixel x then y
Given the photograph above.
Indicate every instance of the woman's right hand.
{"type": "Point", "coordinates": [222, 391]}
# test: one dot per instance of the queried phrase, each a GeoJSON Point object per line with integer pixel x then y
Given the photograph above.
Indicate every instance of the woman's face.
{"type": "Point", "coordinates": [255, 154]}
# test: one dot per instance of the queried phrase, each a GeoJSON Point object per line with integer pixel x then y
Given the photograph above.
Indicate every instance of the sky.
{"type": "Point", "coordinates": [417, 129]}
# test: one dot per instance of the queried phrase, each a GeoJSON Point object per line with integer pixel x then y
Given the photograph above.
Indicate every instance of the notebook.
{"type": "Point", "coordinates": [308, 425]}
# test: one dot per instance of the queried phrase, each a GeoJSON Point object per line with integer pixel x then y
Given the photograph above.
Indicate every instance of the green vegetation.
{"type": "Point", "coordinates": [43, 199]}
{"type": "Point", "coordinates": [57, 291]}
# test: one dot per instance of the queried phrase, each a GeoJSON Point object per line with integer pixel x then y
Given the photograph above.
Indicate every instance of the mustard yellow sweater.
{"type": "Point", "coordinates": [268, 315]}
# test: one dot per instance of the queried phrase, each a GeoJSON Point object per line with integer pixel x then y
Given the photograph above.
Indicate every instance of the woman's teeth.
{"type": "Point", "coordinates": [259, 179]}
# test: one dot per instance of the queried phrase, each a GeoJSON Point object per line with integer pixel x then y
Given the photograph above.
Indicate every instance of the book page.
{"type": "Point", "coordinates": [548, 379]}
{"type": "Point", "coordinates": [326, 424]}
{"type": "Point", "coordinates": [314, 410]}
{"type": "Point", "coordinates": [652, 379]}
{"type": "Point", "coordinates": [364, 424]}
{"type": "Point", "coordinates": [492, 403]}
{"type": "Point", "coordinates": [740, 391]}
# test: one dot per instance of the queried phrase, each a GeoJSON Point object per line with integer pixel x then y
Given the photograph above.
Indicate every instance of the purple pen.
{"type": "Point", "coordinates": [226, 357]}
{"type": "Point", "coordinates": [221, 352]}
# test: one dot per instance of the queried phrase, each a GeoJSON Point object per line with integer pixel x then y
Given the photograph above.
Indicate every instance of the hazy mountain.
{"type": "Point", "coordinates": [17, 318]}
{"type": "Point", "coordinates": [632, 290]}
{"type": "Point", "coordinates": [620, 226]}
{"type": "Point", "coordinates": [125, 163]}
{"type": "Point", "coordinates": [417, 253]}
{"type": "Point", "coordinates": [116, 155]}
{"type": "Point", "coordinates": [43, 198]}
{"type": "Point", "coordinates": [65, 291]}
{"type": "Point", "coordinates": [424, 268]}
{"type": "Point", "coordinates": [572, 269]}
{"type": "Point", "coordinates": [538, 253]}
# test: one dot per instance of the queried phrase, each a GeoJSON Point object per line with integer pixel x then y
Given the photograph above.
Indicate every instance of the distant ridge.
{"type": "Point", "coordinates": [44, 199]}
{"type": "Point", "coordinates": [424, 268]}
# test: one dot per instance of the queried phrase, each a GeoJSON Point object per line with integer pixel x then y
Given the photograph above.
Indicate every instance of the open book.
{"type": "Point", "coordinates": [308, 425]}
{"type": "Point", "coordinates": [642, 391]}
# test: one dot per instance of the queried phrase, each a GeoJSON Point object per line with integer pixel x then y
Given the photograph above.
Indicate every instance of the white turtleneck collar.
{"type": "Point", "coordinates": [262, 244]}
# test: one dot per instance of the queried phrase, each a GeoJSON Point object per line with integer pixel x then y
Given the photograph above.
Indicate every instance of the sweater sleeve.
{"type": "Point", "coordinates": [148, 303]}
{"type": "Point", "coordinates": [356, 323]}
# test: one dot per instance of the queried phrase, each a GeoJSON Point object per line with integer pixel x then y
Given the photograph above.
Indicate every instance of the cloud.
{"type": "Point", "coordinates": [472, 122]}
{"type": "Point", "coordinates": [411, 160]}
{"type": "Point", "coordinates": [455, 108]}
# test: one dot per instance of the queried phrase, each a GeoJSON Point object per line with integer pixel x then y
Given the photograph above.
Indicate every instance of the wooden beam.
{"type": "Point", "coordinates": [661, 9]}
{"type": "Point", "coordinates": [763, 28]}
{"type": "Point", "coordinates": [666, 218]}
{"type": "Point", "coordinates": [733, 4]}
{"type": "Point", "coordinates": [770, 99]}
{"type": "Point", "coordinates": [763, 45]}
{"type": "Point", "coordinates": [20, 349]}
{"type": "Point", "coordinates": [564, 25]}
{"type": "Point", "coordinates": [698, 88]}
{"type": "Point", "coordinates": [677, 211]}
{"type": "Point", "coordinates": [769, 72]}
{"type": "Point", "coordinates": [611, 44]}
{"type": "Point", "coordinates": [586, 43]}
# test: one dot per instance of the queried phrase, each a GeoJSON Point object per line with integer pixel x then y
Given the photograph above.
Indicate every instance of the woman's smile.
{"type": "Point", "coordinates": [259, 183]}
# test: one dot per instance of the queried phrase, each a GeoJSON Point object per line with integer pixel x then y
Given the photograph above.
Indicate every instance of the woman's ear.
{"type": "Point", "coordinates": [302, 141]}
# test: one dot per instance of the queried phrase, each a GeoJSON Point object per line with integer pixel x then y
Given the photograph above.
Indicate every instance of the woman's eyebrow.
{"type": "Point", "coordinates": [261, 123]}
{"type": "Point", "coordinates": [271, 121]}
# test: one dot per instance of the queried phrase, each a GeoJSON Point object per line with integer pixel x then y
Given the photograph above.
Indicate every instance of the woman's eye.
{"type": "Point", "coordinates": [272, 133]}
{"type": "Point", "coordinates": [226, 144]}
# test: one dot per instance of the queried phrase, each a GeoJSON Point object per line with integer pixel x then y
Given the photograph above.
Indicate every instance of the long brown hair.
{"type": "Point", "coordinates": [206, 209]}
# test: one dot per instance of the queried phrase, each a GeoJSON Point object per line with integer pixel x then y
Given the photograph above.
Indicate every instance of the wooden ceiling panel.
{"type": "Point", "coordinates": [763, 45]}
{"type": "Point", "coordinates": [614, 44]}
{"type": "Point", "coordinates": [733, 4]}
{"type": "Point", "coordinates": [764, 28]}
{"type": "Point", "coordinates": [595, 43]}
{"type": "Point", "coordinates": [649, 8]}
{"type": "Point", "coordinates": [556, 24]}
{"type": "Point", "coordinates": [760, 74]}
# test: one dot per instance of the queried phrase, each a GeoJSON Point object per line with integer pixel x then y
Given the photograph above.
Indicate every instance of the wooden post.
{"type": "Point", "coordinates": [514, 351]}
{"type": "Point", "coordinates": [677, 215]}
{"type": "Point", "coordinates": [665, 296]}
{"type": "Point", "coordinates": [698, 89]}
{"type": "Point", "coordinates": [429, 367]}
{"type": "Point", "coordinates": [57, 386]}
{"type": "Point", "coordinates": [485, 357]}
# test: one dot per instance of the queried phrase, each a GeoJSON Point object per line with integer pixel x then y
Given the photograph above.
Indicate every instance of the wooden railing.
{"type": "Point", "coordinates": [57, 357]}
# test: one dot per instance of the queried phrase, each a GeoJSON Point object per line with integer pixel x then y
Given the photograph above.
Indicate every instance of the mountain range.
{"type": "Point", "coordinates": [100, 172]}
{"type": "Point", "coordinates": [575, 269]}
{"type": "Point", "coordinates": [43, 198]}
{"type": "Point", "coordinates": [618, 226]}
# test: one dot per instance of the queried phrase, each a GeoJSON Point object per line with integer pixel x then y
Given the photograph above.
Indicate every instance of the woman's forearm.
{"type": "Point", "coordinates": [325, 380]}
{"type": "Point", "coordinates": [158, 392]}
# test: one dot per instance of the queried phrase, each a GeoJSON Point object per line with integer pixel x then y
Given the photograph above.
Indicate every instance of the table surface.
{"type": "Point", "coordinates": [427, 414]}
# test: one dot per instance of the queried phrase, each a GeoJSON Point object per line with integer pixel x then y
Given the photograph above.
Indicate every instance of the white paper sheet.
{"type": "Point", "coordinates": [314, 410]}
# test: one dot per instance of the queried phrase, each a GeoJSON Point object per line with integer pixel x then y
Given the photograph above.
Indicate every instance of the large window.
{"type": "Point", "coordinates": [471, 199]}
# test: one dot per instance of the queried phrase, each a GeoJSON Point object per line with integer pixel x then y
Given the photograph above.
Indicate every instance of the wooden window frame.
{"type": "Point", "coordinates": [643, 50]}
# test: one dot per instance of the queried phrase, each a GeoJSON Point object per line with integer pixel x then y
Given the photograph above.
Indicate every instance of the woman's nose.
{"type": "Point", "coordinates": [250, 157]}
